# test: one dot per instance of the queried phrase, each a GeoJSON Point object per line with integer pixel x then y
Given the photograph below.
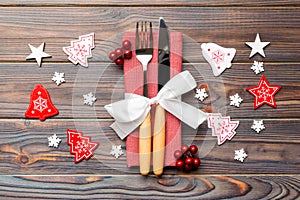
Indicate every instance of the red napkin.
{"type": "Point", "coordinates": [133, 80]}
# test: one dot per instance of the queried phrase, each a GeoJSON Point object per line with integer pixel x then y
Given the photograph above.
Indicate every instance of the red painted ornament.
{"type": "Point", "coordinates": [188, 167]}
{"type": "Point", "coordinates": [264, 93]}
{"type": "Point", "coordinates": [40, 106]}
{"type": "Point", "coordinates": [80, 145]}
{"type": "Point", "coordinates": [119, 52]}
{"type": "Point", "coordinates": [193, 149]}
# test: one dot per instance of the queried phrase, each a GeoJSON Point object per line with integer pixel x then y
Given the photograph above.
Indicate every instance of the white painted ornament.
{"type": "Point", "coordinates": [201, 94]}
{"type": "Point", "coordinates": [116, 151]}
{"type": "Point", "coordinates": [257, 46]}
{"type": "Point", "coordinates": [37, 53]}
{"type": "Point", "coordinates": [89, 99]}
{"type": "Point", "coordinates": [218, 57]}
{"type": "Point", "coordinates": [235, 100]}
{"type": "Point", "coordinates": [240, 155]}
{"type": "Point", "coordinates": [54, 141]}
{"type": "Point", "coordinates": [257, 67]}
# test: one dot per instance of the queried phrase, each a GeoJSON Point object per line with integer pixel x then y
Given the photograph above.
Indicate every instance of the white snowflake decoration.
{"type": "Point", "coordinates": [258, 125]}
{"type": "Point", "coordinates": [257, 67]}
{"type": "Point", "coordinates": [58, 78]}
{"type": "Point", "coordinates": [240, 155]}
{"type": "Point", "coordinates": [235, 100]}
{"type": "Point", "coordinates": [201, 94]}
{"type": "Point", "coordinates": [53, 141]}
{"type": "Point", "coordinates": [89, 99]}
{"type": "Point", "coordinates": [116, 151]}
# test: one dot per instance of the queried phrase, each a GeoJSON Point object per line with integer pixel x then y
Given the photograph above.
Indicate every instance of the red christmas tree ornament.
{"type": "Point", "coordinates": [40, 104]}
{"type": "Point", "coordinates": [80, 145]}
{"type": "Point", "coordinates": [264, 93]}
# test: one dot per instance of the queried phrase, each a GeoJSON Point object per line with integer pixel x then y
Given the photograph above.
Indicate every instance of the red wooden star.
{"type": "Point", "coordinates": [264, 93]}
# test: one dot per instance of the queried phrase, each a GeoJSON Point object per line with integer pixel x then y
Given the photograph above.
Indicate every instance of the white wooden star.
{"type": "Point", "coordinates": [257, 46]}
{"type": "Point", "coordinates": [37, 53]}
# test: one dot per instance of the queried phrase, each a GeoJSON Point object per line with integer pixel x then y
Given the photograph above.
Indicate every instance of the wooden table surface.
{"type": "Point", "coordinates": [31, 169]}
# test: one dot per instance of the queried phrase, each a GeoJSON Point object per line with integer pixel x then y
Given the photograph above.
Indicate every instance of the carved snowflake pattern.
{"type": "Point", "coordinates": [257, 67]}
{"type": "Point", "coordinates": [201, 94]}
{"type": "Point", "coordinates": [40, 104]}
{"type": "Point", "coordinates": [53, 141]}
{"type": "Point", "coordinates": [89, 99]}
{"type": "Point", "coordinates": [235, 100]}
{"type": "Point", "coordinates": [58, 78]}
{"type": "Point", "coordinates": [218, 56]}
{"type": "Point", "coordinates": [116, 151]}
{"type": "Point", "coordinates": [258, 125]}
{"type": "Point", "coordinates": [240, 155]}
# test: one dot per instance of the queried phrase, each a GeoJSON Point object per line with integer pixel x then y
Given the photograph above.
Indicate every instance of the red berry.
{"type": "Point", "coordinates": [113, 56]}
{"type": "Point", "coordinates": [193, 149]}
{"type": "Point", "coordinates": [179, 164]}
{"type": "Point", "coordinates": [119, 61]}
{"type": "Point", "coordinates": [184, 148]}
{"type": "Point", "coordinates": [188, 161]}
{"type": "Point", "coordinates": [127, 54]}
{"type": "Point", "coordinates": [119, 52]}
{"type": "Point", "coordinates": [126, 45]}
{"type": "Point", "coordinates": [177, 154]}
{"type": "Point", "coordinates": [196, 162]}
{"type": "Point", "coordinates": [188, 167]}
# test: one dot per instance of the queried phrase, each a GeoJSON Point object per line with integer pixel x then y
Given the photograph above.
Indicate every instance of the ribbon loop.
{"type": "Point", "coordinates": [132, 111]}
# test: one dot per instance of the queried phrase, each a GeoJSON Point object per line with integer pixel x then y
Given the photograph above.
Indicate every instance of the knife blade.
{"type": "Point", "coordinates": [163, 77]}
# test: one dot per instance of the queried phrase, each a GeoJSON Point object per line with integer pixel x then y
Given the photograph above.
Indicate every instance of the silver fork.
{"type": "Point", "coordinates": [144, 51]}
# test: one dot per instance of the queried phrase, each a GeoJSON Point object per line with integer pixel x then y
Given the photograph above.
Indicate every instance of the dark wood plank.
{"type": "Point", "coordinates": [229, 27]}
{"type": "Point", "coordinates": [24, 149]}
{"type": "Point", "coordinates": [107, 82]}
{"type": "Point", "coordinates": [138, 187]}
{"type": "Point", "coordinates": [152, 3]}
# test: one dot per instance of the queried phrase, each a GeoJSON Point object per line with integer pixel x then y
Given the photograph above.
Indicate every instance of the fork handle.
{"type": "Point", "coordinates": [145, 145]}
{"type": "Point", "coordinates": [159, 136]}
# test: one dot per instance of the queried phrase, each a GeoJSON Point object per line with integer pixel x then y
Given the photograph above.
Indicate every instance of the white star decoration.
{"type": "Point", "coordinates": [37, 53]}
{"type": "Point", "coordinates": [257, 46]}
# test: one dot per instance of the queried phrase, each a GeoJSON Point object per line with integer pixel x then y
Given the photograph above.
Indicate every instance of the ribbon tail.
{"type": "Point", "coordinates": [190, 115]}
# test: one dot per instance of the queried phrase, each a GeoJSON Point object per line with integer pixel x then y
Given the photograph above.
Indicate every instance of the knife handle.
{"type": "Point", "coordinates": [159, 136]}
{"type": "Point", "coordinates": [145, 145]}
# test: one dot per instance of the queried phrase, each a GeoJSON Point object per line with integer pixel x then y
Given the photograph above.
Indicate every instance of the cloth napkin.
{"type": "Point", "coordinates": [133, 80]}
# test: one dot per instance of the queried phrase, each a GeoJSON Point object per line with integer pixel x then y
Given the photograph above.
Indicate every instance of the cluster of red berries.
{"type": "Point", "coordinates": [186, 158]}
{"type": "Point", "coordinates": [120, 54]}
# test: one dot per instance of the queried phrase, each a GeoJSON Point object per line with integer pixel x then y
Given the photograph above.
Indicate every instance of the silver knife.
{"type": "Point", "coordinates": [163, 77]}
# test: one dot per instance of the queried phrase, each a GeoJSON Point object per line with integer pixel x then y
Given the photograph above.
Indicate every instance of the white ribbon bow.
{"type": "Point", "coordinates": [132, 111]}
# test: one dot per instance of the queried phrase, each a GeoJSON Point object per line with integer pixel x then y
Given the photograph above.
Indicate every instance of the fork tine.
{"type": "Point", "coordinates": [137, 36]}
{"type": "Point", "coordinates": [151, 37]}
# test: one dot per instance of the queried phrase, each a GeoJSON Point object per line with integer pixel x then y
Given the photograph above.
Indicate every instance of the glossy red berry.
{"type": "Point", "coordinates": [188, 160]}
{"type": "Point", "coordinates": [126, 45]}
{"type": "Point", "coordinates": [184, 148]}
{"type": "Point", "coordinates": [188, 167]}
{"type": "Point", "coordinates": [196, 162]}
{"type": "Point", "coordinates": [119, 52]}
{"type": "Point", "coordinates": [177, 154]}
{"type": "Point", "coordinates": [193, 149]}
{"type": "Point", "coordinates": [179, 164]}
{"type": "Point", "coordinates": [119, 61]}
{"type": "Point", "coordinates": [113, 56]}
{"type": "Point", "coordinates": [127, 54]}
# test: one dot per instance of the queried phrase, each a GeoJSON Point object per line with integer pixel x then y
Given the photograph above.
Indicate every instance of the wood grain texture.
{"type": "Point", "coordinates": [138, 187]}
{"type": "Point", "coordinates": [106, 81]}
{"type": "Point", "coordinates": [152, 3]}
{"type": "Point", "coordinates": [229, 27]}
{"type": "Point", "coordinates": [30, 169]}
{"type": "Point", "coordinates": [24, 149]}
